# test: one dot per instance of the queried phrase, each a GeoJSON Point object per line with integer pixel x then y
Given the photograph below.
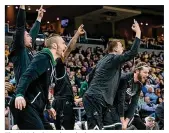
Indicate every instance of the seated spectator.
{"type": "Point", "coordinates": [148, 108]}
{"type": "Point", "coordinates": [72, 78]}
{"type": "Point", "coordinates": [6, 50]}
{"type": "Point", "coordinates": [75, 91]}
{"type": "Point", "coordinates": [159, 100]}
{"type": "Point", "coordinates": [158, 92]}
{"type": "Point", "coordinates": [153, 97]}
{"type": "Point", "coordinates": [9, 69]}
{"type": "Point", "coordinates": [84, 87]}
{"type": "Point", "coordinates": [141, 100]}
{"type": "Point", "coordinates": [84, 71]}
{"type": "Point", "coordinates": [151, 124]}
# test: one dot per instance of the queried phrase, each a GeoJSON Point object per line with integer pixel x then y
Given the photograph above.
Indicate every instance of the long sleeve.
{"type": "Point", "coordinates": [37, 67]}
{"type": "Point", "coordinates": [148, 108]}
{"type": "Point", "coordinates": [34, 31]}
{"type": "Point", "coordinates": [129, 54]}
{"type": "Point", "coordinates": [20, 29]}
{"type": "Point", "coordinates": [122, 92]}
{"type": "Point", "coordinates": [121, 100]}
{"type": "Point", "coordinates": [133, 105]}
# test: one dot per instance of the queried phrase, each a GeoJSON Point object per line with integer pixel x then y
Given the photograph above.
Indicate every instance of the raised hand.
{"type": "Point", "coordinates": [41, 12]}
{"type": "Point", "coordinates": [81, 30]}
{"type": "Point", "coordinates": [136, 28]}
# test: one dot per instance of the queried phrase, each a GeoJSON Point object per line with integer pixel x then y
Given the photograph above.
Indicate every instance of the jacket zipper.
{"type": "Point", "coordinates": [35, 98]}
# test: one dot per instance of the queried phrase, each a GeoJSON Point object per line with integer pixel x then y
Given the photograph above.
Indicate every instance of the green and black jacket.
{"type": "Point", "coordinates": [34, 83]}
{"type": "Point", "coordinates": [20, 55]}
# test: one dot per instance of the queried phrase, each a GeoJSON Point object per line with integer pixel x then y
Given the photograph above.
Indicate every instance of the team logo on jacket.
{"type": "Point", "coordinates": [130, 92]}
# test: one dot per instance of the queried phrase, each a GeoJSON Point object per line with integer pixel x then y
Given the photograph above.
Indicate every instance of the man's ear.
{"type": "Point", "coordinates": [137, 71]}
{"type": "Point", "coordinates": [115, 49]}
{"type": "Point", "coordinates": [54, 45]}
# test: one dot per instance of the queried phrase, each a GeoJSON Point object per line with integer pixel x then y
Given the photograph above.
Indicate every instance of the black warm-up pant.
{"type": "Point", "coordinates": [112, 120]}
{"type": "Point", "coordinates": [137, 122]}
{"type": "Point", "coordinates": [28, 118]}
{"type": "Point", "coordinates": [65, 114]}
{"type": "Point", "coordinates": [95, 110]}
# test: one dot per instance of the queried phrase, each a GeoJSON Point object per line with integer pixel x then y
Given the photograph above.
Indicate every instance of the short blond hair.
{"type": "Point", "coordinates": [51, 39]}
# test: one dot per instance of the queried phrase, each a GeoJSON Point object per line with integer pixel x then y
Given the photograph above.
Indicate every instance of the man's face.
{"type": "Point", "coordinates": [147, 100]}
{"type": "Point", "coordinates": [143, 74]}
{"type": "Point", "coordinates": [10, 64]}
{"type": "Point", "coordinates": [119, 48]}
{"type": "Point", "coordinates": [68, 69]}
{"type": "Point", "coordinates": [6, 93]}
{"type": "Point", "coordinates": [150, 90]}
{"type": "Point", "coordinates": [84, 69]}
{"type": "Point", "coordinates": [61, 46]}
{"type": "Point", "coordinates": [6, 47]}
{"type": "Point", "coordinates": [74, 89]}
{"type": "Point", "coordinates": [27, 39]}
{"type": "Point", "coordinates": [85, 64]}
{"type": "Point", "coordinates": [150, 123]}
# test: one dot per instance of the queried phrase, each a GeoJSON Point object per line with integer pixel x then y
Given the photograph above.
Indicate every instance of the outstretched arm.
{"type": "Point", "coordinates": [134, 49]}
{"type": "Point", "coordinates": [20, 29]}
{"type": "Point", "coordinates": [72, 43]}
{"type": "Point", "coordinates": [36, 27]}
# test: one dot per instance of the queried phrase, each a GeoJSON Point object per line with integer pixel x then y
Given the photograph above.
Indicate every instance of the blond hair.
{"type": "Point", "coordinates": [51, 39]}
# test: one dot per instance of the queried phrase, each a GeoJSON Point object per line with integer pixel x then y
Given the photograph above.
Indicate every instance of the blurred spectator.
{"type": "Point", "coordinates": [151, 124]}
{"type": "Point", "coordinates": [84, 87]}
{"type": "Point", "coordinates": [153, 97]}
{"type": "Point", "coordinates": [6, 50]}
{"type": "Point", "coordinates": [141, 100]}
{"type": "Point", "coordinates": [148, 107]}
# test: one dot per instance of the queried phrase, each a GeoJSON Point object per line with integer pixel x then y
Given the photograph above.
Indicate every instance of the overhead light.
{"type": "Point", "coordinates": [7, 21]}
{"type": "Point", "coordinates": [57, 18]}
{"type": "Point", "coordinates": [29, 8]}
{"type": "Point", "coordinates": [141, 23]}
{"type": "Point", "coordinates": [146, 23]}
{"type": "Point", "coordinates": [48, 22]}
{"type": "Point", "coordinates": [162, 35]}
{"type": "Point", "coordinates": [8, 6]}
{"type": "Point", "coordinates": [16, 7]}
{"type": "Point", "coordinates": [162, 26]}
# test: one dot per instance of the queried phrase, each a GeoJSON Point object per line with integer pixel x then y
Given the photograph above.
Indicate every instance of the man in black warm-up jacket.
{"type": "Point", "coordinates": [126, 99]}
{"type": "Point", "coordinates": [32, 89]}
{"type": "Point", "coordinates": [103, 86]}
{"type": "Point", "coordinates": [63, 95]}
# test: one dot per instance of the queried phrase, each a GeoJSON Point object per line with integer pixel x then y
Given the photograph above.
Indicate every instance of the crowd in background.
{"type": "Point", "coordinates": [80, 63]}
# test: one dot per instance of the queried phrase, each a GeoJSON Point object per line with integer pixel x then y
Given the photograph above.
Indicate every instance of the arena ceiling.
{"type": "Point", "coordinates": [94, 13]}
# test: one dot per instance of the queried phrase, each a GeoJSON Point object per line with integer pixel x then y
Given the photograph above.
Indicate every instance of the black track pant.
{"type": "Point", "coordinates": [65, 114]}
{"type": "Point", "coordinates": [138, 123]}
{"type": "Point", "coordinates": [95, 109]}
{"type": "Point", "coordinates": [29, 118]}
{"type": "Point", "coordinates": [112, 120]}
